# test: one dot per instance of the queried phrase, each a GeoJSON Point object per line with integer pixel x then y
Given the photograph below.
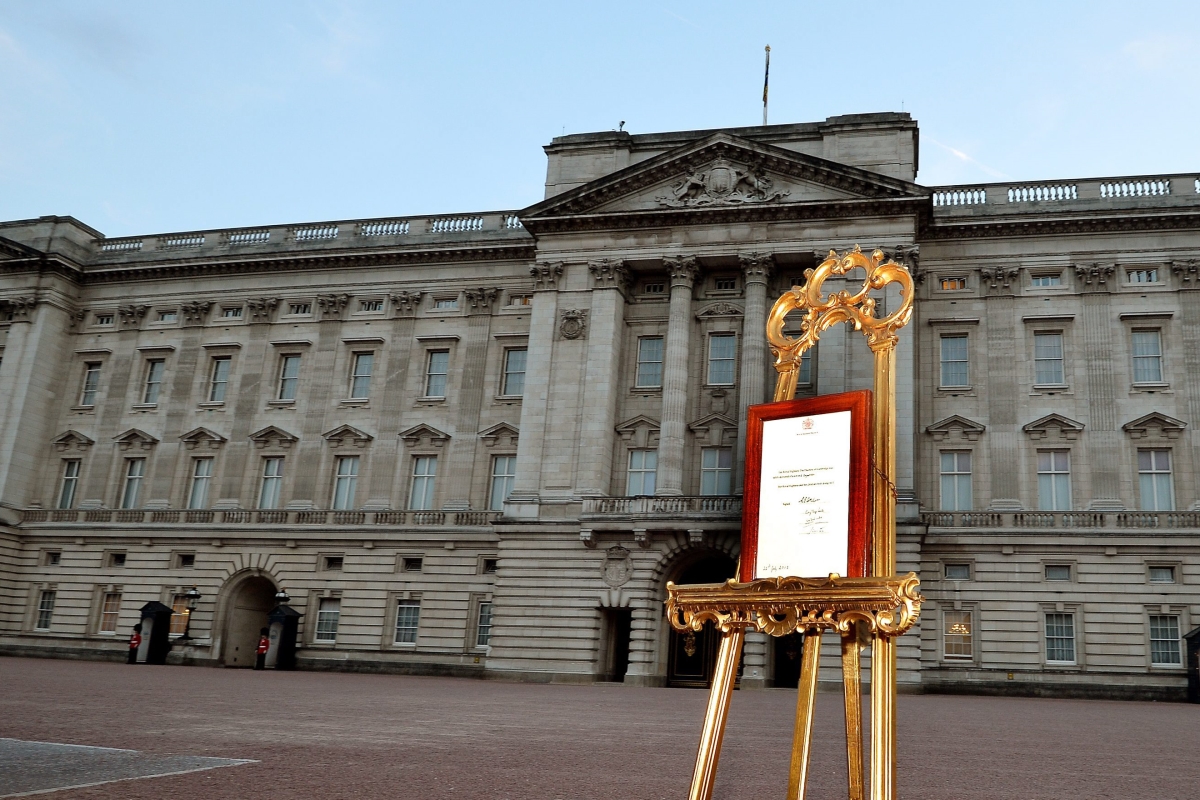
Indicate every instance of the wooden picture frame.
{"type": "Point", "coordinates": [824, 489]}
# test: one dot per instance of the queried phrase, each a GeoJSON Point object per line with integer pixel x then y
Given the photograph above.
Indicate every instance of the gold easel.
{"type": "Point", "coordinates": [875, 609]}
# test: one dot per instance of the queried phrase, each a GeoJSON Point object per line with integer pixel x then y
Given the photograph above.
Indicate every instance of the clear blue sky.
{"type": "Point", "coordinates": [142, 117]}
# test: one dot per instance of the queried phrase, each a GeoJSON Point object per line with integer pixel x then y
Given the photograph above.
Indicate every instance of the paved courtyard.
{"type": "Point", "coordinates": [212, 733]}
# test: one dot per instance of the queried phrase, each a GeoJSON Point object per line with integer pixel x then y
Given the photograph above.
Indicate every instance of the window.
{"type": "Point", "coordinates": [1147, 357]}
{"type": "Point", "coordinates": [1162, 574]}
{"type": "Point", "coordinates": [1047, 280]}
{"type": "Point", "coordinates": [956, 481]}
{"type": "Point", "coordinates": [1154, 477]}
{"type": "Point", "coordinates": [420, 496]}
{"type": "Point", "coordinates": [45, 610]}
{"type": "Point", "coordinates": [958, 572]}
{"type": "Point", "coordinates": [408, 617]}
{"type": "Point", "coordinates": [299, 308]}
{"type": "Point", "coordinates": [289, 377]}
{"type": "Point", "coordinates": [490, 566]}
{"type": "Point", "coordinates": [1048, 359]}
{"type": "Point", "coordinates": [110, 611]}
{"type": "Point", "coordinates": [52, 558]}
{"type": "Point", "coordinates": [716, 470]}
{"type": "Point", "coordinates": [116, 559]}
{"type": "Point", "coordinates": [154, 375]}
{"type": "Point", "coordinates": [1164, 641]}
{"type": "Point", "coordinates": [725, 284]}
{"type": "Point", "coordinates": [231, 313]}
{"type": "Point", "coordinates": [202, 470]}
{"type": "Point", "coordinates": [168, 316]}
{"type": "Point", "coordinates": [185, 560]}
{"type": "Point", "coordinates": [446, 302]}
{"type": "Point", "coordinates": [360, 375]}
{"type": "Point", "coordinates": [642, 467]}
{"type": "Point", "coordinates": [721, 351]}
{"type": "Point", "coordinates": [483, 627]}
{"type": "Point", "coordinates": [179, 614]}
{"type": "Point", "coordinates": [949, 284]}
{"type": "Point", "coordinates": [411, 564]}
{"type": "Point", "coordinates": [104, 319]}
{"type": "Point", "coordinates": [1142, 275]}
{"type": "Point", "coordinates": [954, 361]}
{"type": "Point", "coordinates": [370, 305]}
{"type": "Point", "coordinates": [514, 372]}
{"type": "Point", "coordinates": [344, 482]}
{"type": "Point", "coordinates": [1058, 572]}
{"type": "Point", "coordinates": [328, 611]}
{"type": "Point", "coordinates": [333, 563]}
{"type": "Point", "coordinates": [436, 369]}
{"type": "Point", "coordinates": [520, 299]}
{"type": "Point", "coordinates": [504, 473]}
{"type": "Point", "coordinates": [806, 371]}
{"type": "Point", "coordinates": [1054, 480]}
{"type": "Point", "coordinates": [1060, 638]}
{"type": "Point", "coordinates": [135, 470]}
{"type": "Point", "coordinates": [272, 482]}
{"type": "Point", "coordinates": [656, 288]}
{"type": "Point", "coordinates": [649, 362]}
{"type": "Point", "coordinates": [956, 638]}
{"type": "Point", "coordinates": [219, 380]}
{"type": "Point", "coordinates": [91, 382]}
{"type": "Point", "coordinates": [70, 481]}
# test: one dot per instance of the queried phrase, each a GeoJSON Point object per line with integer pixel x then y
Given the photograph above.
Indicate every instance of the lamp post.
{"type": "Point", "coordinates": [282, 598]}
{"type": "Point", "coordinates": [193, 596]}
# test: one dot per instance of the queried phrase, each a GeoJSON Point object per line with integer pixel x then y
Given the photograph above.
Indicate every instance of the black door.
{"type": "Point", "coordinates": [618, 623]}
{"type": "Point", "coordinates": [693, 655]}
{"type": "Point", "coordinates": [787, 660]}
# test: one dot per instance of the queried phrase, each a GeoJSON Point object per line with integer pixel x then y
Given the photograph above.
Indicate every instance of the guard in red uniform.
{"type": "Point", "coordinates": [264, 644]}
{"type": "Point", "coordinates": [135, 641]}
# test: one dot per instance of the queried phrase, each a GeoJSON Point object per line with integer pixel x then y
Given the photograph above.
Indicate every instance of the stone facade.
{"type": "Point", "coordinates": [483, 443]}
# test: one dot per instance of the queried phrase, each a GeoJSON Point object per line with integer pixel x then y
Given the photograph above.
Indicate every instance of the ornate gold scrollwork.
{"type": "Point", "coordinates": [779, 606]}
{"type": "Point", "coordinates": [858, 309]}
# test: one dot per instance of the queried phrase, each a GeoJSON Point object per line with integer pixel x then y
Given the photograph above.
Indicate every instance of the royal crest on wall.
{"type": "Point", "coordinates": [618, 566]}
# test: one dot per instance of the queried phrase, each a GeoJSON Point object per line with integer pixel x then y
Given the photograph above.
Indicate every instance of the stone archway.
{"type": "Point", "coordinates": [248, 601]}
{"type": "Point", "coordinates": [691, 656]}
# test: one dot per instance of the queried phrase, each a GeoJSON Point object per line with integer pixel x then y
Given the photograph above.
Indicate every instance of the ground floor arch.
{"type": "Point", "coordinates": [692, 655]}
{"type": "Point", "coordinates": [248, 597]}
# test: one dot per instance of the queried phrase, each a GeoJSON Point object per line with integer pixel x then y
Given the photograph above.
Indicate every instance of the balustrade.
{"type": "Point", "coordinates": [394, 227]}
{"type": "Point", "coordinates": [455, 224]}
{"type": "Point", "coordinates": [1052, 192]}
{"type": "Point", "coordinates": [315, 233]}
{"type": "Point", "coordinates": [959, 197]}
{"type": "Point", "coordinates": [511, 222]}
{"type": "Point", "coordinates": [1136, 187]}
{"type": "Point", "coordinates": [120, 245]}
{"type": "Point", "coordinates": [181, 241]}
{"type": "Point", "coordinates": [248, 237]}
{"type": "Point", "coordinates": [664, 506]}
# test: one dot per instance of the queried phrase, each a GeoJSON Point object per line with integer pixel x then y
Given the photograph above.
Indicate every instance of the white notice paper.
{"type": "Point", "coordinates": [804, 497]}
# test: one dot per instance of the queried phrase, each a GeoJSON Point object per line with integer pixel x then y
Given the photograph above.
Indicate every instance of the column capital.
{"type": "Point", "coordinates": [756, 267]}
{"type": "Point", "coordinates": [682, 269]}
{"type": "Point", "coordinates": [405, 303]}
{"type": "Point", "coordinates": [1188, 273]}
{"type": "Point", "coordinates": [1094, 277]}
{"type": "Point", "coordinates": [609, 273]}
{"type": "Point", "coordinates": [480, 301]}
{"type": "Point", "coordinates": [19, 307]}
{"type": "Point", "coordinates": [546, 275]}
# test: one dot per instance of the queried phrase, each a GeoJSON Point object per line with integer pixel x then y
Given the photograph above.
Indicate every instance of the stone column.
{"type": "Point", "coordinates": [1103, 437]}
{"type": "Point", "coordinates": [385, 460]}
{"type": "Point", "coordinates": [462, 462]}
{"type": "Point", "coordinates": [675, 376]}
{"type": "Point", "coordinates": [523, 501]}
{"type": "Point", "coordinates": [756, 269]}
{"type": "Point", "coordinates": [609, 280]}
{"type": "Point", "coordinates": [1188, 275]}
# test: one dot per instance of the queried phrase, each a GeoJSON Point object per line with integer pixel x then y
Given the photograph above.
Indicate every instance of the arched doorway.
{"type": "Point", "coordinates": [692, 655]}
{"type": "Point", "coordinates": [249, 603]}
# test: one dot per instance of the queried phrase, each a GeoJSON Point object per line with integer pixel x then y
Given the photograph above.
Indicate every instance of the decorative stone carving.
{"type": "Point", "coordinates": [406, 303]}
{"type": "Point", "coordinates": [609, 273]}
{"type": "Point", "coordinates": [642, 537]}
{"type": "Point", "coordinates": [1154, 426]}
{"type": "Point", "coordinates": [682, 269]}
{"type": "Point", "coordinates": [71, 440]}
{"type": "Point", "coordinates": [17, 309]}
{"type": "Point", "coordinates": [261, 308]}
{"type": "Point", "coordinates": [999, 276]}
{"type": "Point", "coordinates": [331, 305]}
{"type": "Point", "coordinates": [77, 317]}
{"type": "Point", "coordinates": [573, 324]}
{"type": "Point", "coordinates": [756, 267]}
{"type": "Point", "coordinates": [344, 435]}
{"type": "Point", "coordinates": [722, 184]}
{"type": "Point", "coordinates": [481, 300]}
{"type": "Point", "coordinates": [719, 310]}
{"type": "Point", "coordinates": [1188, 272]}
{"type": "Point", "coordinates": [202, 437]}
{"type": "Point", "coordinates": [132, 315]}
{"type": "Point", "coordinates": [135, 438]}
{"type": "Point", "coordinates": [588, 537]}
{"type": "Point", "coordinates": [1094, 275]}
{"type": "Point", "coordinates": [618, 566]}
{"type": "Point", "coordinates": [196, 312]}
{"type": "Point", "coordinates": [546, 275]}
{"type": "Point", "coordinates": [1063, 427]}
{"type": "Point", "coordinates": [273, 437]}
{"type": "Point", "coordinates": [501, 433]}
{"type": "Point", "coordinates": [910, 256]}
{"type": "Point", "coordinates": [955, 426]}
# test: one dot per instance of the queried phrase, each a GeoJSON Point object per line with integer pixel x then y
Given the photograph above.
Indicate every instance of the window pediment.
{"type": "Point", "coordinates": [955, 427]}
{"type": "Point", "coordinates": [72, 440]}
{"type": "Point", "coordinates": [272, 436]}
{"type": "Point", "coordinates": [135, 438]}
{"type": "Point", "coordinates": [202, 437]}
{"type": "Point", "coordinates": [640, 431]}
{"type": "Point", "coordinates": [1053, 426]}
{"type": "Point", "coordinates": [715, 429]}
{"type": "Point", "coordinates": [424, 436]}
{"type": "Point", "coordinates": [1154, 426]}
{"type": "Point", "coordinates": [346, 435]}
{"type": "Point", "coordinates": [501, 433]}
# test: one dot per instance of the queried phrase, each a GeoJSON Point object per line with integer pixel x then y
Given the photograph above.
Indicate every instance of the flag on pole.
{"type": "Point", "coordinates": [766, 79]}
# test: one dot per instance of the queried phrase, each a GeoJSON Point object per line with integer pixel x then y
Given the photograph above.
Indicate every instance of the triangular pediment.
{"type": "Point", "coordinates": [640, 431]}
{"type": "Point", "coordinates": [502, 432]}
{"type": "Point", "coordinates": [955, 426]}
{"type": "Point", "coordinates": [720, 171]}
{"type": "Point", "coordinates": [347, 434]}
{"type": "Point", "coordinates": [1053, 424]}
{"type": "Point", "coordinates": [716, 430]}
{"type": "Point", "coordinates": [72, 439]}
{"type": "Point", "coordinates": [135, 438]}
{"type": "Point", "coordinates": [202, 437]}
{"type": "Point", "coordinates": [272, 436]}
{"type": "Point", "coordinates": [424, 436]}
{"type": "Point", "coordinates": [1154, 425]}
{"type": "Point", "coordinates": [712, 420]}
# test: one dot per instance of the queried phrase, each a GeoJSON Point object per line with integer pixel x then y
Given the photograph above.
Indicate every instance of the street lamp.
{"type": "Point", "coordinates": [193, 596]}
{"type": "Point", "coordinates": [282, 598]}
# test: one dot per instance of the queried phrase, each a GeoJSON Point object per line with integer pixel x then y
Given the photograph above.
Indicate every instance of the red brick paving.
{"type": "Point", "coordinates": [323, 735]}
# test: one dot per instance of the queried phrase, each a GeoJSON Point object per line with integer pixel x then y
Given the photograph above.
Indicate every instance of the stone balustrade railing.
{"type": "Point", "coordinates": [138, 516]}
{"type": "Point", "coordinates": [1108, 520]}
{"type": "Point", "coordinates": [661, 506]}
{"type": "Point", "coordinates": [1009, 197]}
{"type": "Point", "coordinates": [347, 232]}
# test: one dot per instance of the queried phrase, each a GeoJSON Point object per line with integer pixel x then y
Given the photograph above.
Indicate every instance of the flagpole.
{"type": "Point", "coordinates": [766, 77]}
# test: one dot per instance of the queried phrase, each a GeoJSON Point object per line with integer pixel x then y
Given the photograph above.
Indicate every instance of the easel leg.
{"type": "Point", "coordinates": [802, 738]}
{"type": "Point", "coordinates": [883, 718]}
{"type": "Point", "coordinates": [852, 686]}
{"type": "Point", "coordinates": [705, 773]}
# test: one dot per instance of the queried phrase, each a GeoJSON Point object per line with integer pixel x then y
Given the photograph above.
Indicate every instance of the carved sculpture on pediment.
{"type": "Point", "coordinates": [756, 267]}
{"type": "Point", "coordinates": [261, 308]}
{"type": "Point", "coordinates": [546, 275]}
{"type": "Point", "coordinates": [406, 303]}
{"type": "Point", "coordinates": [682, 269]}
{"type": "Point", "coordinates": [721, 309]}
{"type": "Point", "coordinates": [196, 311]}
{"type": "Point", "coordinates": [481, 300]}
{"type": "Point", "coordinates": [132, 315]}
{"type": "Point", "coordinates": [1188, 272]}
{"type": "Point", "coordinates": [331, 305]}
{"type": "Point", "coordinates": [573, 324]}
{"type": "Point", "coordinates": [609, 273]}
{"type": "Point", "coordinates": [997, 276]}
{"type": "Point", "coordinates": [1095, 275]}
{"type": "Point", "coordinates": [722, 184]}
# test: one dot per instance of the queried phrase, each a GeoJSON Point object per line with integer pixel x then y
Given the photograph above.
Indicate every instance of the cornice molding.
{"type": "Point", "coordinates": [1147, 220]}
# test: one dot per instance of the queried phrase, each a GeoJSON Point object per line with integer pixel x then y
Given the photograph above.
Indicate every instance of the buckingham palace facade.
{"type": "Point", "coordinates": [481, 444]}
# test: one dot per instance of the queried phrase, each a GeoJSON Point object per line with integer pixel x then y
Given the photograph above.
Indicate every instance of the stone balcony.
{"type": "Point", "coordinates": [239, 517]}
{"type": "Point", "coordinates": [1093, 195]}
{"type": "Point", "coordinates": [1106, 522]}
{"type": "Point", "coordinates": [641, 514]}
